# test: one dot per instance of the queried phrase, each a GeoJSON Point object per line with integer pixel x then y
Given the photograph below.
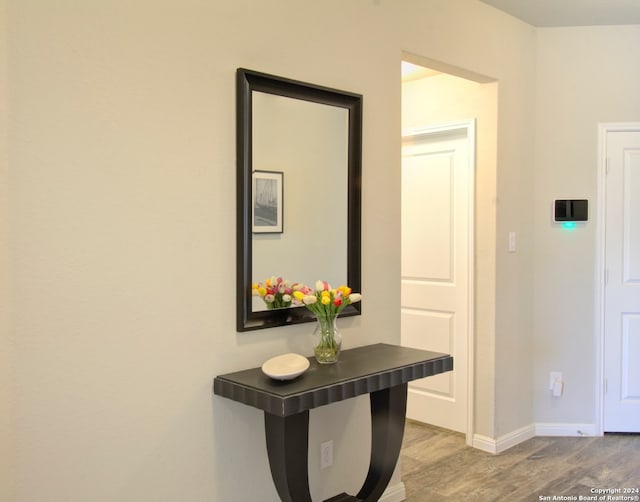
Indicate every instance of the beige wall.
{"type": "Point", "coordinates": [122, 169]}
{"type": "Point", "coordinates": [585, 76]}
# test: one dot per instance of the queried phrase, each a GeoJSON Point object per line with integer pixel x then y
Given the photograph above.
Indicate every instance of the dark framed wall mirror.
{"type": "Point", "coordinates": [299, 175]}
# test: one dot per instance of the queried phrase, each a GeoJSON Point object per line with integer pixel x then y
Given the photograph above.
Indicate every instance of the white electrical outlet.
{"type": "Point", "coordinates": [326, 454]}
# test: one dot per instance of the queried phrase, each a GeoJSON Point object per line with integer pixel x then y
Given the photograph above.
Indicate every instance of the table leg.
{"type": "Point", "coordinates": [287, 447]}
{"type": "Point", "coordinates": [388, 412]}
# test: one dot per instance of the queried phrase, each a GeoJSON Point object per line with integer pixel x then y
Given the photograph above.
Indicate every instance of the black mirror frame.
{"type": "Point", "coordinates": [246, 82]}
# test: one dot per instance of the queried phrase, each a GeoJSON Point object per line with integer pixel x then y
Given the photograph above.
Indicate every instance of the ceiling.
{"type": "Point", "coordinates": [571, 12]}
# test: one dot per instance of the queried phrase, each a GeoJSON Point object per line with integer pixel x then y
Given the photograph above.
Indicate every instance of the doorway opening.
{"type": "Point", "coordinates": [449, 128]}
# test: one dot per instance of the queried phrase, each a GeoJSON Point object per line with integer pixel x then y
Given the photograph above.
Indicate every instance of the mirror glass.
{"type": "Point", "coordinates": [288, 135]}
{"type": "Point", "coordinates": [299, 174]}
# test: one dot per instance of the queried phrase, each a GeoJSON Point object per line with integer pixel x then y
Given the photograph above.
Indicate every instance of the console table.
{"type": "Point", "coordinates": [380, 370]}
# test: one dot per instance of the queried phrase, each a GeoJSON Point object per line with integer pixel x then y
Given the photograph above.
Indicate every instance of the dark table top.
{"type": "Point", "coordinates": [358, 371]}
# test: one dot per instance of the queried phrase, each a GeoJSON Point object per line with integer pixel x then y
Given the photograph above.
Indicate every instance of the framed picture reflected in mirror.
{"type": "Point", "coordinates": [268, 202]}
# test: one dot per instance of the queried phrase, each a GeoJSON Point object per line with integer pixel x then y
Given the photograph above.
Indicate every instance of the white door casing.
{"type": "Point", "coordinates": [437, 267]}
{"type": "Point", "coordinates": [620, 277]}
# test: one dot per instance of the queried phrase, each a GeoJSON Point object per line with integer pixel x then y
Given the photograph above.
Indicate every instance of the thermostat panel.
{"type": "Point", "coordinates": [570, 210]}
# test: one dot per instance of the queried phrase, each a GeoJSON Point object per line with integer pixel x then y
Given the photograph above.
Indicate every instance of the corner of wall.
{"type": "Point", "coordinates": [6, 347]}
{"type": "Point", "coordinates": [504, 442]}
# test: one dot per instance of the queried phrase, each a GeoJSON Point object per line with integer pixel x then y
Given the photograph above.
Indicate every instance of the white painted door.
{"type": "Point", "coordinates": [622, 288]}
{"type": "Point", "coordinates": [437, 199]}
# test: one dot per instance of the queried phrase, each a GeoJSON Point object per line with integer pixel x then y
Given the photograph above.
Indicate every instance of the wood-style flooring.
{"type": "Point", "coordinates": [437, 466]}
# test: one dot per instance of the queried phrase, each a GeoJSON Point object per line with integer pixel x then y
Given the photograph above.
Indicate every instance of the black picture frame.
{"type": "Point", "coordinates": [267, 206]}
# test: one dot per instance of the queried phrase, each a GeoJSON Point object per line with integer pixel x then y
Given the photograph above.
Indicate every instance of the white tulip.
{"type": "Point", "coordinates": [355, 297]}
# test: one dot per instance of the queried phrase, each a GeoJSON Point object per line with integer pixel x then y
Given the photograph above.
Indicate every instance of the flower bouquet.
{"type": "Point", "coordinates": [326, 303]}
{"type": "Point", "coordinates": [275, 292]}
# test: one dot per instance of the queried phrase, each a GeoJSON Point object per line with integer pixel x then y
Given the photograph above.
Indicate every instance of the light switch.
{"type": "Point", "coordinates": [554, 376]}
{"type": "Point", "coordinates": [512, 242]}
{"type": "Point", "coordinates": [557, 388]}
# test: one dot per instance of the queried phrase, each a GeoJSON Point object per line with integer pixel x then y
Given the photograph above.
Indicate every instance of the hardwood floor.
{"type": "Point", "coordinates": [438, 466]}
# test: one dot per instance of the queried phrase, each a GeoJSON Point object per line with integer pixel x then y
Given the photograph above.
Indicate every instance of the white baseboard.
{"type": "Point", "coordinates": [484, 443]}
{"type": "Point", "coordinates": [395, 493]}
{"type": "Point", "coordinates": [570, 430]}
{"type": "Point", "coordinates": [505, 442]}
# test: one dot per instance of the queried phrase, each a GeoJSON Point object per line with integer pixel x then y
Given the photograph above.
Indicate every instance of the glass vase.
{"type": "Point", "coordinates": [326, 340]}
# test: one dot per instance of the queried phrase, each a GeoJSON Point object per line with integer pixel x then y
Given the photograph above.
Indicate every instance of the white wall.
{"type": "Point", "coordinates": [122, 256]}
{"type": "Point", "coordinates": [584, 76]}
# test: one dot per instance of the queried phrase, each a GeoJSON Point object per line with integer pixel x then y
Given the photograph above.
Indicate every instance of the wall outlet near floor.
{"type": "Point", "coordinates": [326, 454]}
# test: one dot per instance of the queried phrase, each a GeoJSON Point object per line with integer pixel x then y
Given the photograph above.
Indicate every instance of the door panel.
{"type": "Point", "coordinates": [631, 180]}
{"type": "Point", "coordinates": [630, 349]}
{"type": "Point", "coordinates": [622, 289]}
{"type": "Point", "coordinates": [435, 330]}
{"type": "Point", "coordinates": [436, 198]}
{"type": "Point", "coordinates": [426, 238]}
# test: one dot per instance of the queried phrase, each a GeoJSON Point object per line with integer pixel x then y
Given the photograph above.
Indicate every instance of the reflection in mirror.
{"type": "Point", "coordinates": [290, 136]}
{"type": "Point", "coordinates": [302, 144]}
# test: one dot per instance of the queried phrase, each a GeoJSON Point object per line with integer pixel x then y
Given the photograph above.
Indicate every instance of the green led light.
{"type": "Point", "coordinates": [569, 225]}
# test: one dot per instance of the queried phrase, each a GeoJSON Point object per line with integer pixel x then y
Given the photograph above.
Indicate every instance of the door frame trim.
{"type": "Point", "coordinates": [603, 129]}
{"type": "Point", "coordinates": [469, 128]}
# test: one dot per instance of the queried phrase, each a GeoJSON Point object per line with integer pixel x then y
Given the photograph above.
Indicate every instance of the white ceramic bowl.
{"type": "Point", "coordinates": [286, 366]}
